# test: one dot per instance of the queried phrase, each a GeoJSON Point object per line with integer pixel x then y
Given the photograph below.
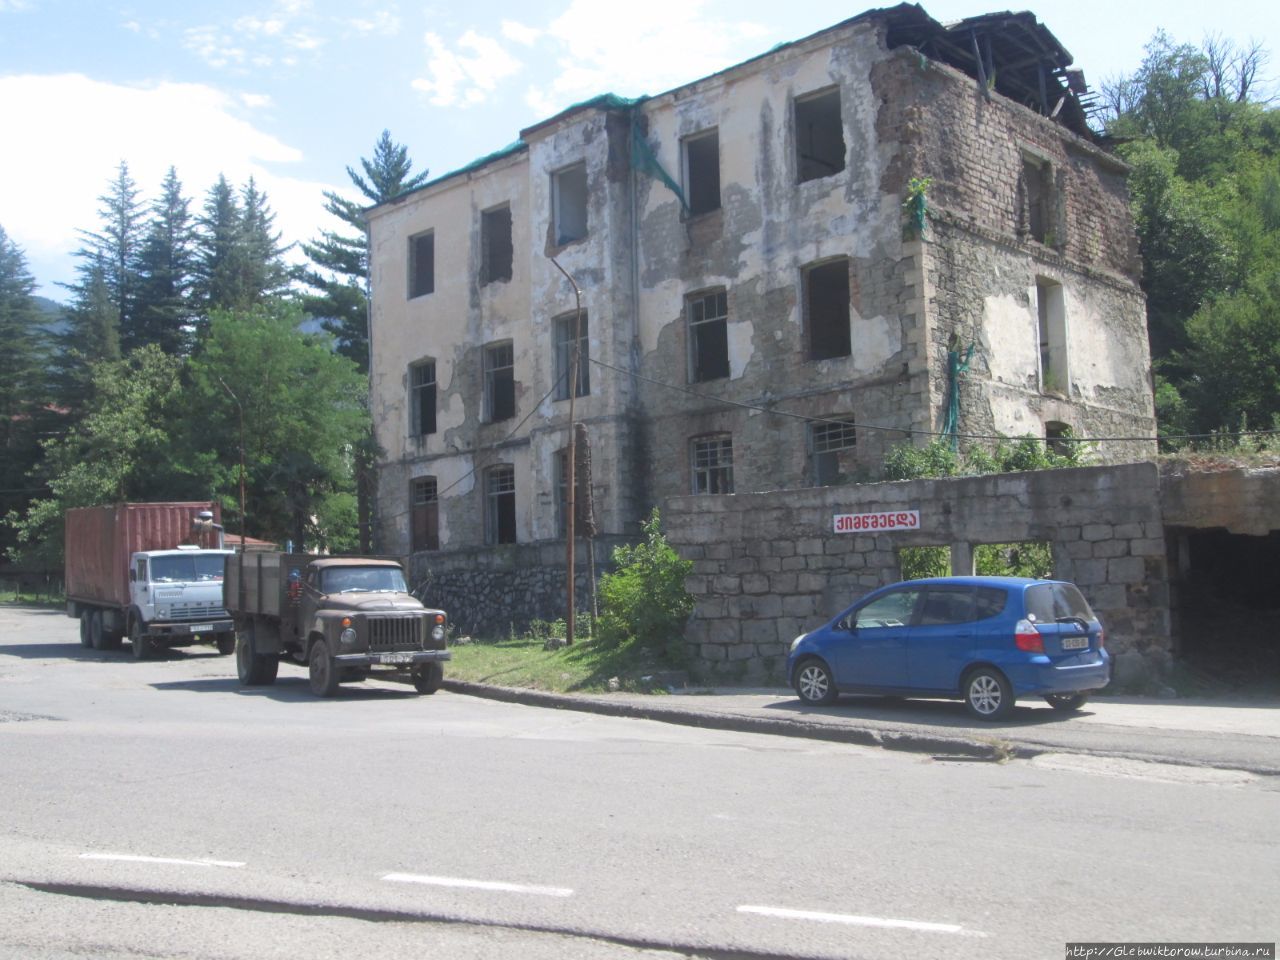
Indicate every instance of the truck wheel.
{"type": "Point", "coordinates": [142, 649]}
{"type": "Point", "coordinates": [97, 635]}
{"type": "Point", "coordinates": [85, 640]}
{"type": "Point", "coordinates": [324, 672]}
{"type": "Point", "coordinates": [254, 669]}
{"type": "Point", "coordinates": [429, 678]}
{"type": "Point", "coordinates": [226, 643]}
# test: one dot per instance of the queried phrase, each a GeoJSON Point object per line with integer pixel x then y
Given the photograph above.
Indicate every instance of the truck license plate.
{"type": "Point", "coordinates": [1075, 643]}
{"type": "Point", "coordinates": [396, 658]}
{"type": "Point", "coordinates": [202, 628]}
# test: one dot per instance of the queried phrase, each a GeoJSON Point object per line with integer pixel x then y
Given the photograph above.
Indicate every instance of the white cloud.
{"type": "Point", "coordinates": [605, 48]}
{"type": "Point", "coordinates": [467, 75]}
{"type": "Point", "coordinates": [79, 129]}
{"type": "Point", "coordinates": [519, 33]}
{"type": "Point", "coordinates": [14, 6]}
{"type": "Point", "coordinates": [380, 21]}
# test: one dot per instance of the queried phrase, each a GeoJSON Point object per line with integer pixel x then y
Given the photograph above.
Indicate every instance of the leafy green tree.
{"type": "Point", "coordinates": [303, 412]}
{"type": "Point", "coordinates": [166, 267]}
{"type": "Point", "coordinates": [339, 273]}
{"type": "Point", "coordinates": [644, 600]}
{"type": "Point", "coordinates": [118, 451]}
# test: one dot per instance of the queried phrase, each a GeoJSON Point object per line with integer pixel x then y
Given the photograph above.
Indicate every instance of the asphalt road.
{"type": "Point", "coordinates": [154, 809]}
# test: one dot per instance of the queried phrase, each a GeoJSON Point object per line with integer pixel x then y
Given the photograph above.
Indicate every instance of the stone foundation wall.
{"type": "Point", "coordinates": [769, 566]}
{"type": "Point", "coordinates": [491, 591]}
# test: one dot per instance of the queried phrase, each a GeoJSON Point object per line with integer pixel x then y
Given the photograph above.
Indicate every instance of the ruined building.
{"type": "Point", "coordinates": [783, 269]}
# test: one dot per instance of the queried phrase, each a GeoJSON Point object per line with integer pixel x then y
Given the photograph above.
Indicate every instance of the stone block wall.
{"type": "Point", "coordinates": [490, 591]}
{"type": "Point", "coordinates": [769, 566]}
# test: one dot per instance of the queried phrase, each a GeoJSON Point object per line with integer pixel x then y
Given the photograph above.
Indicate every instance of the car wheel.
{"type": "Point", "coordinates": [85, 640]}
{"type": "Point", "coordinates": [429, 678]}
{"type": "Point", "coordinates": [1066, 702]}
{"type": "Point", "coordinates": [226, 643]}
{"type": "Point", "coordinates": [814, 683]}
{"type": "Point", "coordinates": [142, 649]}
{"type": "Point", "coordinates": [254, 669]}
{"type": "Point", "coordinates": [97, 635]}
{"type": "Point", "coordinates": [987, 694]}
{"type": "Point", "coordinates": [323, 671]}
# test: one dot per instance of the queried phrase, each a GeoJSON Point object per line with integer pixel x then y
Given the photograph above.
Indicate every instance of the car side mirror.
{"type": "Point", "coordinates": [845, 624]}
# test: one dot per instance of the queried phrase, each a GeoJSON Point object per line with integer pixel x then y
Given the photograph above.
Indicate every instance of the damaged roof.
{"type": "Point", "coordinates": [1012, 54]}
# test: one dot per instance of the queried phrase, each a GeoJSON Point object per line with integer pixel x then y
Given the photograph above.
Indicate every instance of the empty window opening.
{"type": "Point", "coordinates": [713, 464]}
{"type": "Point", "coordinates": [832, 444]}
{"type": "Point", "coordinates": [565, 340]}
{"type": "Point", "coordinates": [1037, 178]}
{"type": "Point", "coordinates": [495, 245]}
{"type": "Point", "coordinates": [702, 172]}
{"type": "Point", "coordinates": [424, 506]}
{"type": "Point", "coordinates": [1033, 558]}
{"type": "Point", "coordinates": [422, 264]}
{"type": "Point", "coordinates": [708, 336]}
{"type": "Point", "coordinates": [916, 563]}
{"type": "Point", "coordinates": [569, 200]}
{"type": "Point", "coordinates": [422, 398]}
{"type": "Point", "coordinates": [1056, 435]}
{"type": "Point", "coordinates": [500, 504]}
{"type": "Point", "coordinates": [820, 146]}
{"type": "Point", "coordinates": [826, 307]}
{"type": "Point", "coordinates": [1052, 326]}
{"type": "Point", "coordinates": [499, 382]}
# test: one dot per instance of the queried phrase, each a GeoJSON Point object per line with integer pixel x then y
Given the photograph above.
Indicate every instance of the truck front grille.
{"type": "Point", "coordinates": [189, 612]}
{"type": "Point", "coordinates": [395, 633]}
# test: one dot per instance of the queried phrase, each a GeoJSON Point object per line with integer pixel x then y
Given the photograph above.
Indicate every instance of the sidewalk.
{"type": "Point", "coordinates": [1226, 734]}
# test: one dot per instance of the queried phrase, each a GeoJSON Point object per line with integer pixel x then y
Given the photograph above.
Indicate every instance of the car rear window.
{"type": "Point", "coordinates": [1050, 602]}
{"type": "Point", "coordinates": [961, 604]}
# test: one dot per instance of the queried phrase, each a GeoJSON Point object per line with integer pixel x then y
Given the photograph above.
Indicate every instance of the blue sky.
{"type": "Point", "coordinates": [293, 91]}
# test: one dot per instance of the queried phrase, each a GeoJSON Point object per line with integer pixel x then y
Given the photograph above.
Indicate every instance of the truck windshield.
{"type": "Point", "coordinates": [187, 568]}
{"type": "Point", "coordinates": [363, 580]}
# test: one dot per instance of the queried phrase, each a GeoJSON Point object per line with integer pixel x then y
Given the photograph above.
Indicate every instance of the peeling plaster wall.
{"type": "Point", "coordinates": [770, 227]}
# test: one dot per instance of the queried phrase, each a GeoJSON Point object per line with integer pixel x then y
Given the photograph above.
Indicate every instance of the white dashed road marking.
{"type": "Point", "coordinates": [852, 920]}
{"type": "Point", "coordinates": [130, 858]}
{"type": "Point", "coordinates": [478, 884]}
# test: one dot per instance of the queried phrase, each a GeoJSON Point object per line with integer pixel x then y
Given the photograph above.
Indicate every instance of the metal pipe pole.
{"type": "Point", "coordinates": [240, 408]}
{"type": "Point", "coordinates": [572, 455]}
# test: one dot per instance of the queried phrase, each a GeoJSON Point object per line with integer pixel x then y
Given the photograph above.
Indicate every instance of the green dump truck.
{"type": "Point", "coordinates": [346, 618]}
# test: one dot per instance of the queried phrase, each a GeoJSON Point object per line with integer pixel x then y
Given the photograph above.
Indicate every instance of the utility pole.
{"type": "Point", "coordinates": [569, 467]}
{"type": "Point", "coordinates": [240, 408]}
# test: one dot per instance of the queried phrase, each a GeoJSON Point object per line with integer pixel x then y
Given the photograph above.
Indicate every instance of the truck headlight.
{"type": "Point", "coordinates": [437, 632]}
{"type": "Point", "coordinates": [348, 635]}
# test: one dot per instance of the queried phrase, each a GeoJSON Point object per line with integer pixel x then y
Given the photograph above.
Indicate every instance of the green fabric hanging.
{"type": "Point", "coordinates": [956, 368]}
{"type": "Point", "coordinates": [645, 160]}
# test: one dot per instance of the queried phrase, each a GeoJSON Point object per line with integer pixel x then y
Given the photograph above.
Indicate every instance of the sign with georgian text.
{"type": "Point", "coordinates": [863, 522]}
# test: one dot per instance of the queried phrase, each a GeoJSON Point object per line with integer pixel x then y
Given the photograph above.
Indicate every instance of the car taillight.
{"type": "Point", "coordinates": [1027, 638]}
{"type": "Point", "coordinates": [1102, 638]}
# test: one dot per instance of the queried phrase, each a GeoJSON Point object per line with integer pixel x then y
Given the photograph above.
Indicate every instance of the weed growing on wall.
{"type": "Point", "coordinates": [644, 600]}
{"type": "Point", "coordinates": [937, 459]}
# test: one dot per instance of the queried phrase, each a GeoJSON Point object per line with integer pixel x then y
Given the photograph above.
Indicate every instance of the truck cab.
{"type": "Point", "coordinates": [175, 598]}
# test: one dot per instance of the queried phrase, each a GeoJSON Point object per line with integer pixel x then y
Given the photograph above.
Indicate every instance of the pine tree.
{"type": "Point", "coordinates": [23, 387]}
{"type": "Point", "coordinates": [340, 271]}
{"type": "Point", "coordinates": [114, 248]}
{"type": "Point", "coordinates": [265, 274]}
{"type": "Point", "coordinates": [218, 270]}
{"type": "Point", "coordinates": [166, 266]}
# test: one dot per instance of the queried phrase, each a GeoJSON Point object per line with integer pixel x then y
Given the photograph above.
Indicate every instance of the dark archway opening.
{"type": "Point", "coordinates": [1226, 607]}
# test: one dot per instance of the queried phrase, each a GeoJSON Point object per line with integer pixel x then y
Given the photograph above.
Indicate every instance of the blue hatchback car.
{"type": "Point", "coordinates": [986, 640]}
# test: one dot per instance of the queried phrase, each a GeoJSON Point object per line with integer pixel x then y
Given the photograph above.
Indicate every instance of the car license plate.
{"type": "Point", "coordinates": [396, 658]}
{"type": "Point", "coordinates": [202, 628]}
{"type": "Point", "coordinates": [1075, 643]}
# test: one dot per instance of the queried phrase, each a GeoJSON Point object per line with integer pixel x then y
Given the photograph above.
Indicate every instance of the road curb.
{"type": "Point", "coordinates": [993, 749]}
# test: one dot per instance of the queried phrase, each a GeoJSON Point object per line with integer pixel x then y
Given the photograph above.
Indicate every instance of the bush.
{"type": "Point", "coordinates": [644, 600]}
{"type": "Point", "coordinates": [1008, 455]}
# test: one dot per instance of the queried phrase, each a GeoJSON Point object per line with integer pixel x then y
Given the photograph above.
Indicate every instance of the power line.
{"type": "Point", "coordinates": [911, 431]}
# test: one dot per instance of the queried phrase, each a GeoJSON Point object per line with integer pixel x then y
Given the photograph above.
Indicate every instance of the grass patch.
{"type": "Point", "coordinates": [583, 668]}
{"type": "Point", "coordinates": [30, 598]}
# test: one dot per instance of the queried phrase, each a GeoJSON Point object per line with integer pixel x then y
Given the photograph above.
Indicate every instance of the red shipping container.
{"type": "Point", "coordinates": [100, 540]}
